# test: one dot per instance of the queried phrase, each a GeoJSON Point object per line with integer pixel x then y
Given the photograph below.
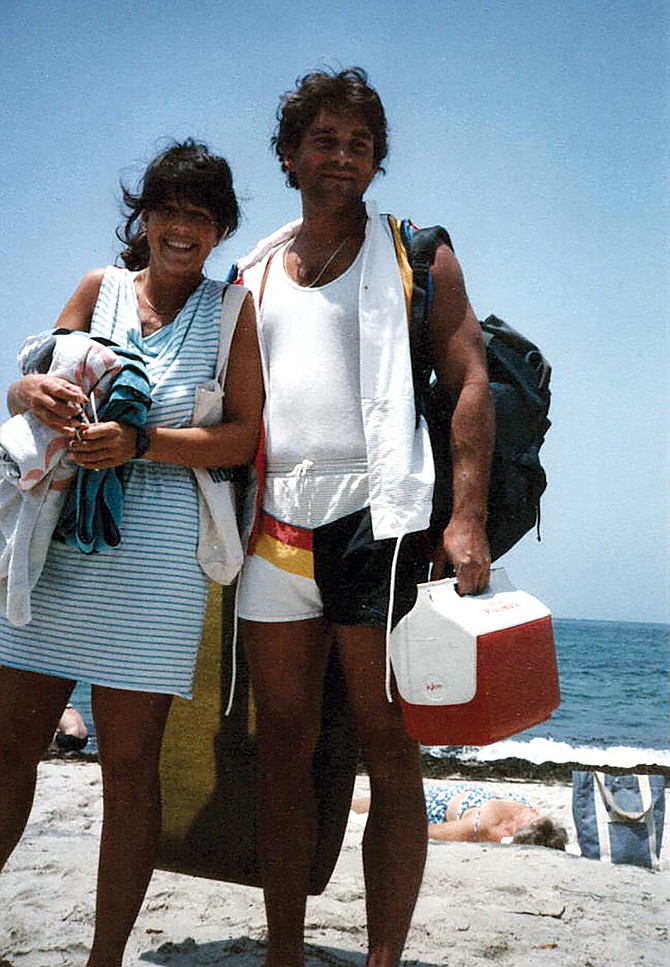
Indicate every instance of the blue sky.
{"type": "Point", "coordinates": [534, 130]}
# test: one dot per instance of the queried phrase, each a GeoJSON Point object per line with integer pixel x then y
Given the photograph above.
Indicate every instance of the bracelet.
{"type": "Point", "coordinates": [142, 442]}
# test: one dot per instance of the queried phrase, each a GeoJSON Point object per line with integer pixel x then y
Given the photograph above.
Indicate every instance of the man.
{"type": "Point", "coordinates": [346, 497]}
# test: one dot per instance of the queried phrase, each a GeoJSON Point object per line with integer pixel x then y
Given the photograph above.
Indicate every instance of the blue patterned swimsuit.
{"type": "Point", "coordinates": [438, 799]}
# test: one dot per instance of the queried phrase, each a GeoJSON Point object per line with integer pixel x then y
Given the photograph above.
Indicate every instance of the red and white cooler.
{"type": "Point", "coordinates": [474, 669]}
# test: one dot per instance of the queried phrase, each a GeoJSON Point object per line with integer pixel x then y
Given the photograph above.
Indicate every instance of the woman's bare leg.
{"type": "Point", "coordinates": [129, 729]}
{"type": "Point", "coordinates": [30, 709]}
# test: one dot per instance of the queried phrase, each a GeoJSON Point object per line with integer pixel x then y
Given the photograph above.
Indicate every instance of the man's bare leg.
{"type": "Point", "coordinates": [395, 842]}
{"type": "Point", "coordinates": [287, 661]}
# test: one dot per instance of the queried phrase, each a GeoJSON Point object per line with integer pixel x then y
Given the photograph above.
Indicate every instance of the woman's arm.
{"type": "Point", "coordinates": [227, 444]}
{"type": "Point", "coordinates": [453, 831]}
{"type": "Point", "coordinates": [78, 310]}
{"type": "Point", "coordinates": [53, 400]}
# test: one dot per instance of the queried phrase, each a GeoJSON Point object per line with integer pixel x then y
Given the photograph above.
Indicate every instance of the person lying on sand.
{"type": "Point", "coordinates": [466, 812]}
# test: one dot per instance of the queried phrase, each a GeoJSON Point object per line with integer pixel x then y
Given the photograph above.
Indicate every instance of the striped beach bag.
{"type": "Point", "coordinates": [619, 818]}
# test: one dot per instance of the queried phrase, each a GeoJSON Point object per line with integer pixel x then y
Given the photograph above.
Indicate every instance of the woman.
{"type": "Point", "coordinates": [128, 619]}
{"type": "Point", "coordinates": [467, 812]}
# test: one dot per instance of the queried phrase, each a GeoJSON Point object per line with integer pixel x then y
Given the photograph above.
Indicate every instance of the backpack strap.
{"type": "Point", "coordinates": [421, 245]}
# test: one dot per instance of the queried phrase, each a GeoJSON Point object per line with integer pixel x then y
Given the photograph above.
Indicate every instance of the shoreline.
{"type": "Point", "coordinates": [454, 767]}
{"type": "Point", "coordinates": [522, 769]}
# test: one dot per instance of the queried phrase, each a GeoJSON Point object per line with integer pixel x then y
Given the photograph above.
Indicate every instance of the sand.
{"type": "Point", "coordinates": [480, 904]}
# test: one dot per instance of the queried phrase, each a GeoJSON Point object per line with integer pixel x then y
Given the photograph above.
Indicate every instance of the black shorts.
{"type": "Point", "coordinates": [353, 571]}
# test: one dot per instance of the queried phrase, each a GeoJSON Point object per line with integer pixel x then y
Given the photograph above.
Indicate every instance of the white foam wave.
{"type": "Point", "coordinates": [540, 750]}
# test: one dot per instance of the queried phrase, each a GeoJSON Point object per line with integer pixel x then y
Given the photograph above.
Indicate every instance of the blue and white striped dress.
{"type": "Point", "coordinates": [131, 617]}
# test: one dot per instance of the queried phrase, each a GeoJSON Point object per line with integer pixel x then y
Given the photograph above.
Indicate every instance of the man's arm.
{"type": "Point", "coordinates": [460, 364]}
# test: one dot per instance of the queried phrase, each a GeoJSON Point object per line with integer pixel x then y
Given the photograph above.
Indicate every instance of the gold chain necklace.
{"type": "Point", "coordinates": [328, 261]}
{"type": "Point", "coordinates": [152, 306]}
{"type": "Point", "coordinates": [167, 312]}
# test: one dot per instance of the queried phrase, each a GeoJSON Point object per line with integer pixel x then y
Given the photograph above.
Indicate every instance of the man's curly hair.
{"type": "Point", "coordinates": [342, 92]}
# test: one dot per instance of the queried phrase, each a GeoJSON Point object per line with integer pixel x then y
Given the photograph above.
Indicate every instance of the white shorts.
{"type": "Point", "coordinates": [268, 593]}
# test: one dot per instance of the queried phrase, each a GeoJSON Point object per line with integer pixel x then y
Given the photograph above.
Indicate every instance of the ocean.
{"type": "Point", "coordinates": [614, 701]}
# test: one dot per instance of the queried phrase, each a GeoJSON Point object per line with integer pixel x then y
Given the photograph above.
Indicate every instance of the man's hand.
{"type": "Point", "coordinates": [465, 551]}
{"type": "Point", "coordinates": [99, 446]}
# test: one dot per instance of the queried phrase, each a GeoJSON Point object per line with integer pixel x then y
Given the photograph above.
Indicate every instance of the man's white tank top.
{"type": "Point", "coordinates": [315, 443]}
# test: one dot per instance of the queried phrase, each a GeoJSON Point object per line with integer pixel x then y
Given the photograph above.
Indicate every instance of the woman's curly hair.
{"type": "Point", "coordinates": [345, 91]}
{"type": "Point", "coordinates": [185, 171]}
{"type": "Point", "coordinates": [543, 832]}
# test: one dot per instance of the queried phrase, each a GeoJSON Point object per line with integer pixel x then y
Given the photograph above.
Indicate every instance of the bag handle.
{"type": "Point", "coordinates": [443, 586]}
{"type": "Point", "coordinates": [233, 297]}
{"type": "Point", "coordinates": [610, 801]}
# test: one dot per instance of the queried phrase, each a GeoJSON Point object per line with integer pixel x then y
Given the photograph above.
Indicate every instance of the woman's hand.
{"type": "Point", "coordinates": [98, 446]}
{"type": "Point", "coordinates": [51, 399]}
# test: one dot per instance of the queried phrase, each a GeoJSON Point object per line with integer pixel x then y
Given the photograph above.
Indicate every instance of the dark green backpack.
{"type": "Point", "coordinates": [519, 378]}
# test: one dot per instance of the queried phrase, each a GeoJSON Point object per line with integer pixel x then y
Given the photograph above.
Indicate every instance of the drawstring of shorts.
{"type": "Point", "coordinates": [302, 469]}
{"type": "Point", "coordinates": [389, 617]}
{"type": "Point", "coordinates": [233, 656]}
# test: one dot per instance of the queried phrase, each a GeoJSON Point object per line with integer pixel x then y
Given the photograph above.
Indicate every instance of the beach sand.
{"type": "Point", "coordinates": [480, 904]}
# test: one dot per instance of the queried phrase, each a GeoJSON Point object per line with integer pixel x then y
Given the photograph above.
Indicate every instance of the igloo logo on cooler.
{"type": "Point", "coordinates": [497, 608]}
